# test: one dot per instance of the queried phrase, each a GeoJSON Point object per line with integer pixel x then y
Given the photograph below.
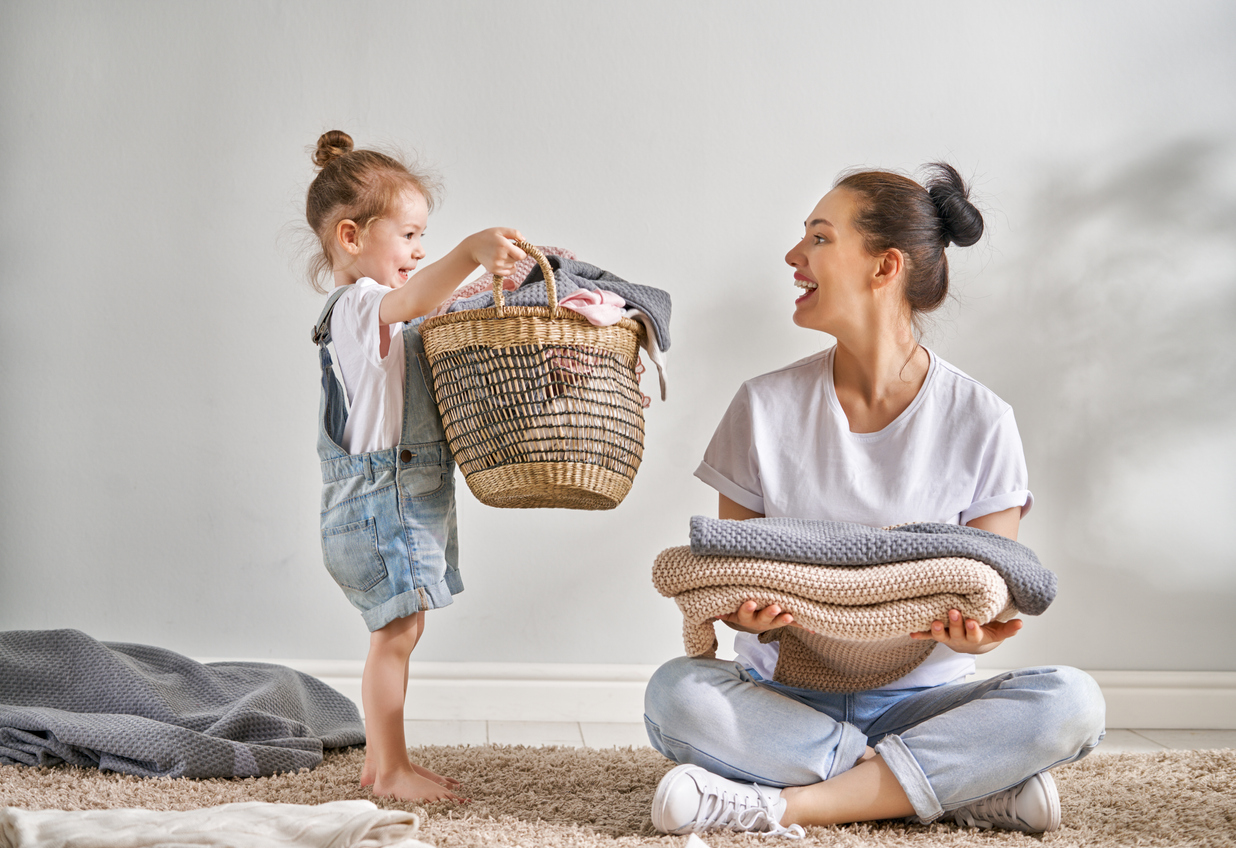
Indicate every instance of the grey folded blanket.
{"type": "Point", "coordinates": [834, 543]}
{"type": "Point", "coordinates": [571, 275]}
{"type": "Point", "coordinates": [146, 711]}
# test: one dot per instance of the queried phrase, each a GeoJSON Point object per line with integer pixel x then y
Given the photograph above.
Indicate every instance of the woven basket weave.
{"type": "Point", "coordinates": [540, 407]}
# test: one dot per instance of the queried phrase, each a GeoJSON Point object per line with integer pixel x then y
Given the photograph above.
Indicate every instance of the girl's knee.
{"type": "Point", "coordinates": [399, 636]}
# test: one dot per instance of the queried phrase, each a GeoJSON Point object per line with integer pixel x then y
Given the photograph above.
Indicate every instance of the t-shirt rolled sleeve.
{"type": "Point", "coordinates": [731, 464]}
{"type": "Point", "coordinates": [729, 488]}
{"type": "Point", "coordinates": [1002, 482]}
{"type": "Point", "coordinates": [1022, 498]}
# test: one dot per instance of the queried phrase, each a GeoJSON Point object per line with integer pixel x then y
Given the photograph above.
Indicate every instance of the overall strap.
{"type": "Point", "coordinates": [421, 422]}
{"type": "Point", "coordinates": [321, 335]}
{"type": "Point", "coordinates": [322, 329]}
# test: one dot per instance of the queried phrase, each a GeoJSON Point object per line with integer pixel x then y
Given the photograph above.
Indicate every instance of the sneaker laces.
{"type": "Point", "coordinates": [998, 809]}
{"type": "Point", "coordinates": [735, 811]}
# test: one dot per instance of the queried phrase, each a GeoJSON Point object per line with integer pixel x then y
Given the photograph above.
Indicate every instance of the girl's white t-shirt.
{"type": "Point", "coordinates": [784, 449]}
{"type": "Point", "coordinates": [374, 383]}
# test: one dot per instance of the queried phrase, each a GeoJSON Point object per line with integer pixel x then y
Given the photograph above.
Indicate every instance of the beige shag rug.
{"type": "Point", "coordinates": [586, 797]}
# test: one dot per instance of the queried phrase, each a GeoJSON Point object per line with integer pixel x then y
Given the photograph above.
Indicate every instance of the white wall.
{"type": "Point", "coordinates": [158, 481]}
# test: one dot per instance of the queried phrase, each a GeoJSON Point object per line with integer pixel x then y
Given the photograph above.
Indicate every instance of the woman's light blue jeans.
{"type": "Point", "coordinates": [947, 745]}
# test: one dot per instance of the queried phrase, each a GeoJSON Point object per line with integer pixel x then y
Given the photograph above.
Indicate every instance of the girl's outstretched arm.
{"type": "Point", "coordinates": [495, 249]}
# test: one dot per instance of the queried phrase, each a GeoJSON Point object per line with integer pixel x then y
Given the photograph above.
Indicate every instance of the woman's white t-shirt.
{"type": "Point", "coordinates": [374, 382]}
{"type": "Point", "coordinates": [784, 449]}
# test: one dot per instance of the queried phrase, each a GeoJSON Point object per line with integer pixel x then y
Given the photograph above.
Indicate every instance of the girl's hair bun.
{"type": "Point", "coordinates": [962, 222]}
{"type": "Point", "coordinates": [358, 185]}
{"type": "Point", "coordinates": [331, 145]}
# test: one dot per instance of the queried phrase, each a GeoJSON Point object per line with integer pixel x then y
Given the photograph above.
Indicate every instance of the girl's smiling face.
{"type": "Point", "coordinates": [391, 246]}
{"type": "Point", "coordinates": [832, 266]}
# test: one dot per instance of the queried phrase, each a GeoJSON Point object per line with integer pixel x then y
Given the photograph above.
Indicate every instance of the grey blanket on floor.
{"type": "Point", "coordinates": [145, 711]}
{"type": "Point", "coordinates": [834, 543]}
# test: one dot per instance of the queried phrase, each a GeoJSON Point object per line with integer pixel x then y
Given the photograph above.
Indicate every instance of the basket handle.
{"type": "Point", "coordinates": [546, 268]}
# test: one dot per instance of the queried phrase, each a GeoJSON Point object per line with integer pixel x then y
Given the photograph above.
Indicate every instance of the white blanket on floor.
{"type": "Point", "coordinates": [339, 824]}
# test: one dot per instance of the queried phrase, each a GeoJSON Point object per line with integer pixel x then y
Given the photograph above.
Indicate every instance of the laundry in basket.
{"type": "Point", "coordinates": [540, 407]}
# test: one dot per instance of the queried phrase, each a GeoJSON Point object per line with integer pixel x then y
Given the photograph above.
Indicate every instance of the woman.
{"type": "Point", "coordinates": [877, 431]}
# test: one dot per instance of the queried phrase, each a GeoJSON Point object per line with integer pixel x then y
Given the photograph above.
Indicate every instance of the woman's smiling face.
{"type": "Point", "coordinates": [832, 266]}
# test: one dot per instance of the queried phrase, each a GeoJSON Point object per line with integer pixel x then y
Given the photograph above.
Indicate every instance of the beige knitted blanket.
{"type": "Point", "coordinates": [862, 617]}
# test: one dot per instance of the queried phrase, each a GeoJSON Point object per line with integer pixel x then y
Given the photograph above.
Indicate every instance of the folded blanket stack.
{"type": "Point", "coordinates": [862, 590]}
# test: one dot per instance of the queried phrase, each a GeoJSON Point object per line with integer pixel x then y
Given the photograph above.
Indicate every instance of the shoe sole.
{"type": "Point", "coordinates": [658, 800]}
{"type": "Point", "coordinates": [1049, 784]}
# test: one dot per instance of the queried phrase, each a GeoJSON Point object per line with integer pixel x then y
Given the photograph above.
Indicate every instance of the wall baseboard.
{"type": "Point", "coordinates": [1165, 700]}
{"type": "Point", "coordinates": [599, 693]}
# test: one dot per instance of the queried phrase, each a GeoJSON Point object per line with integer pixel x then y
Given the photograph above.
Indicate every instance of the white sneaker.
{"type": "Point", "coordinates": [691, 799]}
{"type": "Point", "coordinates": [1032, 807]}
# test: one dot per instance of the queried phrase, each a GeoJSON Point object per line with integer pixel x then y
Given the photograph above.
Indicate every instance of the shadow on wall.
{"type": "Point", "coordinates": [1121, 363]}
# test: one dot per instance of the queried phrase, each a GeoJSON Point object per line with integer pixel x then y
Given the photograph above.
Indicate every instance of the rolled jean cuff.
{"type": "Point", "coordinates": [911, 777]}
{"type": "Point", "coordinates": [851, 746]}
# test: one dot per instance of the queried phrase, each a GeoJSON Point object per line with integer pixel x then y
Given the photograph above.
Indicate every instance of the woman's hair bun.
{"type": "Point", "coordinates": [962, 222]}
{"type": "Point", "coordinates": [331, 145]}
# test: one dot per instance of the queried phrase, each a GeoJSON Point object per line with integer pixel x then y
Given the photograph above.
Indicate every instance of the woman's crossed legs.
{"type": "Point", "coordinates": [935, 750]}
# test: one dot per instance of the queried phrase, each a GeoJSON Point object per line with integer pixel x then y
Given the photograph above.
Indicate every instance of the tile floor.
{"type": "Point", "coordinates": [599, 735]}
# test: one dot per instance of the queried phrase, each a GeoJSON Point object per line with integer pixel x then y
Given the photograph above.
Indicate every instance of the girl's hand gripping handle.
{"type": "Point", "coordinates": [495, 249]}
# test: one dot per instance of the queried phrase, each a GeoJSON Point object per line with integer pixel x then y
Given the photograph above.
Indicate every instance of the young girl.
{"type": "Point", "coordinates": [388, 498]}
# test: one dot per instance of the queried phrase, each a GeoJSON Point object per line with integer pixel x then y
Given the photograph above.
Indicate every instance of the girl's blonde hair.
{"type": "Point", "coordinates": [356, 185]}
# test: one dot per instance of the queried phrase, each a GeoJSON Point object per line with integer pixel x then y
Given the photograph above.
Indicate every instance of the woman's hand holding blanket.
{"type": "Point", "coordinates": [749, 618]}
{"type": "Point", "coordinates": [969, 637]}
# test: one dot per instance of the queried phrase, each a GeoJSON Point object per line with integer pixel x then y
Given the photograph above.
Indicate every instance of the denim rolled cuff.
{"type": "Point", "coordinates": [853, 744]}
{"type": "Point", "coordinates": [911, 777]}
{"type": "Point", "coordinates": [436, 596]}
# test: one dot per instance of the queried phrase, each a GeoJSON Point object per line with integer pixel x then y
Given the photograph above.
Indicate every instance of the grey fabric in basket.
{"type": "Point", "coordinates": [835, 543]}
{"type": "Point", "coordinates": [571, 275]}
{"type": "Point", "coordinates": [146, 711]}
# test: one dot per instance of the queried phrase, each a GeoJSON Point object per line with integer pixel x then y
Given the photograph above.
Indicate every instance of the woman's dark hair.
{"type": "Point", "coordinates": [893, 211]}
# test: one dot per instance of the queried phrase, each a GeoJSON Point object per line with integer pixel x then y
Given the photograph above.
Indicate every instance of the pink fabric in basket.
{"type": "Point", "coordinates": [600, 307]}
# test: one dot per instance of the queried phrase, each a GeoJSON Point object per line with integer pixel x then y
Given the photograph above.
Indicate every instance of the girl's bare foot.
{"type": "Point", "coordinates": [369, 774]}
{"type": "Point", "coordinates": [410, 786]}
{"type": "Point", "coordinates": [448, 782]}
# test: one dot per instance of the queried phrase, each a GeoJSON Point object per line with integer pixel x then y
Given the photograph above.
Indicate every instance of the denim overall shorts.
{"type": "Point", "coordinates": [389, 536]}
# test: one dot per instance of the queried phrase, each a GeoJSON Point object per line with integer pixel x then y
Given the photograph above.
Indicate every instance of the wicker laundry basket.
{"type": "Point", "coordinates": [540, 407]}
